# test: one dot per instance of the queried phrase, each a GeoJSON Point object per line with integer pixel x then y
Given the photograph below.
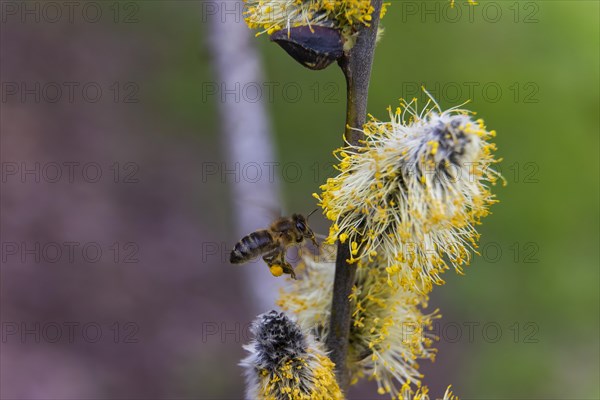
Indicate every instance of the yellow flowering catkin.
{"type": "Point", "coordinates": [287, 363]}
{"type": "Point", "coordinates": [388, 334]}
{"type": "Point", "coordinates": [413, 192]}
{"type": "Point", "coordinates": [269, 16]}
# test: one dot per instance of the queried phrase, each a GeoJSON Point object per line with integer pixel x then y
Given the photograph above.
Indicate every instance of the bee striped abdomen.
{"type": "Point", "coordinates": [251, 246]}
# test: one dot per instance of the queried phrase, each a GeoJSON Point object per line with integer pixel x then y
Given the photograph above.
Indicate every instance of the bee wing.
{"type": "Point", "coordinates": [262, 211]}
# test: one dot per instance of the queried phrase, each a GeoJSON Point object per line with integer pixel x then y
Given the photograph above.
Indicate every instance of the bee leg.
{"type": "Point", "coordinates": [273, 262]}
{"type": "Point", "coordinates": [269, 258]}
{"type": "Point", "coordinates": [277, 263]}
{"type": "Point", "coordinates": [287, 267]}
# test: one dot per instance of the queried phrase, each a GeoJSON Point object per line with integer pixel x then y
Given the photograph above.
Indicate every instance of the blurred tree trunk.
{"type": "Point", "coordinates": [246, 138]}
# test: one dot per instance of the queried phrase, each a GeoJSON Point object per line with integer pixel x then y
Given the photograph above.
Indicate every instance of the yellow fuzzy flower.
{"type": "Point", "coordinates": [287, 363]}
{"type": "Point", "coordinates": [413, 192]}
{"type": "Point", "coordinates": [272, 15]}
{"type": "Point", "coordinates": [388, 334]}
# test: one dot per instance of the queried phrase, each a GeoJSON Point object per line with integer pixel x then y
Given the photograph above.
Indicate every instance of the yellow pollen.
{"type": "Point", "coordinates": [276, 270]}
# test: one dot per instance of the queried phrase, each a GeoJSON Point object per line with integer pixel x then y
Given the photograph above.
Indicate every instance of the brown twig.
{"type": "Point", "coordinates": [356, 65]}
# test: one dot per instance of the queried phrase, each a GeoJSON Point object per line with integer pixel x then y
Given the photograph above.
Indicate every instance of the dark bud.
{"type": "Point", "coordinates": [277, 339]}
{"type": "Point", "coordinates": [314, 47]}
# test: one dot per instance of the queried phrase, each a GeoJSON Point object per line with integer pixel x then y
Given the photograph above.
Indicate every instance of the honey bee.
{"type": "Point", "coordinates": [273, 242]}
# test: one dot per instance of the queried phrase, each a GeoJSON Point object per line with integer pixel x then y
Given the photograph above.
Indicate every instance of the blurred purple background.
{"type": "Point", "coordinates": [138, 319]}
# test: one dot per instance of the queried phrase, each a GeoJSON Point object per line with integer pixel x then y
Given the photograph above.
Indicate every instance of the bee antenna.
{"type": "Point", "coordinates": [311, 213]}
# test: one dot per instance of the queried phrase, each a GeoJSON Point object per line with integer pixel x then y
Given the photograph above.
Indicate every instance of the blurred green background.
{"type": "Point", "coordinates": [531, 71]}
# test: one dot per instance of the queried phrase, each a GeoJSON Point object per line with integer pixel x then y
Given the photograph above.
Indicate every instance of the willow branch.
{"type": "Point", "coordinates": [356, 65]}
